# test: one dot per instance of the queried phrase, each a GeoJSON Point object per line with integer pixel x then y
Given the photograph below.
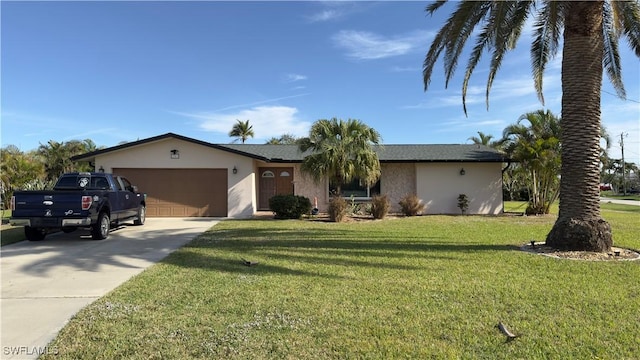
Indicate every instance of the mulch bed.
{"type": "Point", "coordinates": [616, 253]}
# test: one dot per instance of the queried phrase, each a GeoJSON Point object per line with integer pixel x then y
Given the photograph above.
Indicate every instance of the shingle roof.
{"type": "Point", "coordinates": [291, 153]}
{"type": "Point", "coordinates": [386, 153]}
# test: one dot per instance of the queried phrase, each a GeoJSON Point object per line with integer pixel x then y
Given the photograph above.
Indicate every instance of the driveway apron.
{"type": "Point", "coordinates": [45, 283]}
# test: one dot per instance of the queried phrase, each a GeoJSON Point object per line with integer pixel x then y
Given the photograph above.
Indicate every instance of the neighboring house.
{"type": "Point", "coordinates": [187, 177]}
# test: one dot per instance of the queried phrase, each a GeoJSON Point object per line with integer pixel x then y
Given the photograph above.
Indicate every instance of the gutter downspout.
{"type": "Point", "coordinates": [502, 181]}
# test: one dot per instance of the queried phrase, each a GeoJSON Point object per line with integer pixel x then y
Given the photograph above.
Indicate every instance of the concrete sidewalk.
{"type": "Point", "coordinates": [618, 201]}
{"type": "Point", "coordinates": [45, 283]}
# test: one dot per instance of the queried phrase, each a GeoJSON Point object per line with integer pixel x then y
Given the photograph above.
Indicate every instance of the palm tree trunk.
{"type": "Point", "coordinates": [579, 225]}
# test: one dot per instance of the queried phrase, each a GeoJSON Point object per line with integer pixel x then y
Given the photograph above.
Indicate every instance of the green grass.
{"type": "Point", "coordinates": [9, 234]}
{"type": "Point", "coordinates": [520, 206]}
{"type": "Point", "coordinates": [421, 287]}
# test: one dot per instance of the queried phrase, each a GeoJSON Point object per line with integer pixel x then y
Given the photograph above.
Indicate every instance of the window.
{"type": "Point", "coordinates": [357, 189]}
{"type": "Point", "coordinates": [127, 185]}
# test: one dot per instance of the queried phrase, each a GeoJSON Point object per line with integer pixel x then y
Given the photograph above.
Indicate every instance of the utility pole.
{"type": "Point", "coordinates": [624, 179]}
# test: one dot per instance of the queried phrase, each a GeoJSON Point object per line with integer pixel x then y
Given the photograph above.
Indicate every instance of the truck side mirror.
{"type": "Point", "coordinates": [134, 188]}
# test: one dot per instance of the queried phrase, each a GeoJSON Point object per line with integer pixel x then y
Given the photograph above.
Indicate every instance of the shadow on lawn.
{"type": "Point", "coordinates": [189, 259]}
{"type": "Point", "coordinates": [291, 247]}
{"type": "Point", "coordinates": [331, 242]}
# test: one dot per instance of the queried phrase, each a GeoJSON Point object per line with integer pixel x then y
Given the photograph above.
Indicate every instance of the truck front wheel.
{"type": "Point", "coordinates": [34, 234]}
{"type": "Point", "coordinates": [100, 230]}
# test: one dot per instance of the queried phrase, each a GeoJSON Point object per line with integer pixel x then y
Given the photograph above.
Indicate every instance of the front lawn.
{"type": "Point", "coordinates": [422, 287]}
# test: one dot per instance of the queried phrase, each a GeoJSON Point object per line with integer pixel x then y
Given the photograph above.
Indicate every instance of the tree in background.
{"type": "Point", "coordinates": [613, 174]}
{"type": "Point", "coordinates": [286, 139]}
{"type": "Point", "coordinates": [242, 131]}
{"type": "Point", "coordinates": [56, 157]}
{"type": "Point", "coordinates": [39, 169]}
{"type": "Point", "coordinates": [341, 151]}
{"type": "Point", "coordinates": [19, 171]}
{"type": "Point", "coordinates": [485, 139]}
{"type": "Point", "coordinates": [534, 142]}
{"type": "Point", "coordinates": [590, 33]}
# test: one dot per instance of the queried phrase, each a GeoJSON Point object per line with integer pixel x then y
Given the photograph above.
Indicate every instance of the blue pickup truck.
{"type": "Point", "coordinates": [78, 200]}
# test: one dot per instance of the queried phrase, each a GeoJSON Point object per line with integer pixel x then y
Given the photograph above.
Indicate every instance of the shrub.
{"type": "Point", "coordinates": [463, 203]}
{"type": "Point", "coordinates": [411, 205]}
{"type": "Point", "coordinates": [539, 209]}
{"type": "Point", "coordinates": [353, 207]}
{"type": "Point", "coordinates": [337, 208]}
{"type": "Point", "coordinates": [380, 206]}
{"type": "Point", "coordinates": [289, 206]}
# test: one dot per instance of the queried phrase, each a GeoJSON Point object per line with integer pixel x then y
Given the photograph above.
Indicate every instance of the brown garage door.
{"type": "Point", "coordinates": [181, 192]}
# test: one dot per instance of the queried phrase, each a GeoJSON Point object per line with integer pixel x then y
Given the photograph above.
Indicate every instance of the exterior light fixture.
{"type": "Point", "coordinates": [235, 170]}
{"type": "Point", "coordinates": [175, 154]}
{"type": "Point", "coordinates": [462, 172]}
{"type": "Point", "coordinates": [101, 169]}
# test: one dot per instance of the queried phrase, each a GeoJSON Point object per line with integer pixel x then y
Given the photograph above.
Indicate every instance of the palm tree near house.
{"type": "Point", "coordinates": [242, 131]}
{"type": "Point", "coordinates": [590, 32]}
{"type": "Point", "coordinates": [341, 151]}
{"type": "Point", "coordinates": [485, 139]}
{"type": "Point", "coordinates": [534, 143]}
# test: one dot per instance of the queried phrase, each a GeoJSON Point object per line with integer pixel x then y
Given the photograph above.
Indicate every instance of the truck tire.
{"type": "Point", "coordinates": [34, 234]}
{"type": "Point", "coordinates": [100, 230]}
{"type": "Point", "coordinates": [142, 215]}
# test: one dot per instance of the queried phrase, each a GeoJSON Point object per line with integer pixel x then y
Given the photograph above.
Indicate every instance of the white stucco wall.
{"type": "Point", "coordinates": [157, 155]}
{"type": "Point", "coordinates": [439, 185]}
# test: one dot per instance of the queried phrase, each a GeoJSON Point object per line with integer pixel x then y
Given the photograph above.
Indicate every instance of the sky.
{"type": "Point", "coordinates": [116, 72]}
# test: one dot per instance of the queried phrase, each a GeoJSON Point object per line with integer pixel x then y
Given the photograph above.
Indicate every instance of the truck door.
{"type": "Point", "coordinates": [130, 200]}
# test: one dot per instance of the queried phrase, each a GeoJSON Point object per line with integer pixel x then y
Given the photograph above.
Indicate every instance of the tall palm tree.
{"type": "Point", "coordinates": [342, 151]}
{"type": "Point", "coordinates": [590, 33]}
{"type": "Point", "coordinates": [241, 130]}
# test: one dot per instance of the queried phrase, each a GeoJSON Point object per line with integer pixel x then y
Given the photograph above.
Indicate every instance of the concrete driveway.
{"type": "Point", "coordinates": [45, 283]}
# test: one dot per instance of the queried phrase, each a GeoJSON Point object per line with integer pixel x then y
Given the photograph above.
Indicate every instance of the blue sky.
{"type": "Point", "coordinates": [122, 71]}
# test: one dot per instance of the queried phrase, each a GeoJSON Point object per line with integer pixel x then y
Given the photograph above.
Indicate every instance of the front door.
{"type": "Point", "coordinates": [274, 181]}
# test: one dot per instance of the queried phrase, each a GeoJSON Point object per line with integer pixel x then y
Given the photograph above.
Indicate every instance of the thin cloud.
{"type": "Point", "coordinates": [512, 88]}
{"type": "Point", "coordinates": [267, 121]}
{"type": "Point", "coordinates": [88, 134]}
{"type": "Point", "coordinates": [363, 45]}
{"type": "Point", "coordinates": [295, 77]}
{"type": "Point", "coordinates": [337, 10]}
{"type": "Point", "coordinates": [326, 15]}
{"type": "Point", "coordinates": [406, 69]}
{"type": "Point", "coordinates": [243, 105]}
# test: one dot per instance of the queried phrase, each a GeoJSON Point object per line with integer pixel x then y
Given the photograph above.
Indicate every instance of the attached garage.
{"type": "Point", "coordinates": [181, 192]}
